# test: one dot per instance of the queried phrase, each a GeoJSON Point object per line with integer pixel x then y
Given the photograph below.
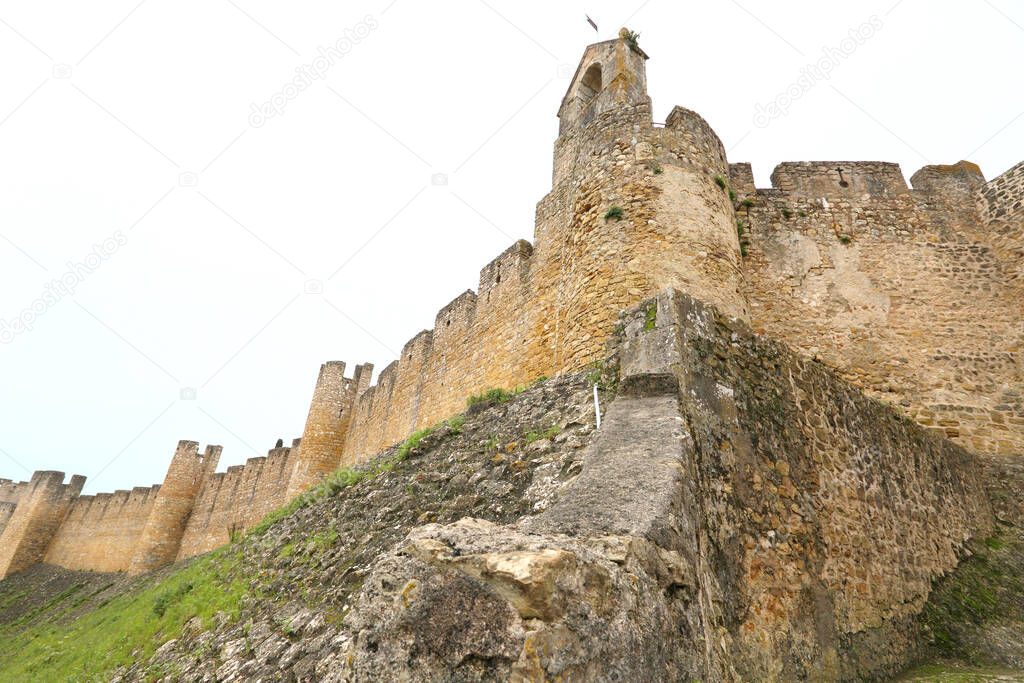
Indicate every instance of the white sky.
{"type": "Point", "coordinates": [107, 107]}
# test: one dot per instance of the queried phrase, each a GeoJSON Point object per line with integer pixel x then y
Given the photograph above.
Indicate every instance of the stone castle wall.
{"type": "Point", "coordinates": [1001, 204]}
{"type": "Point", "coordinates": [100, 532]}
{"type": "Point", "coordinates": [914, 295]}
{"type": "Point", "coordinates": [41, 507]}
{"type": "Point", "coordinates": [194, 511]}
{"type": "Point", "coordinates": [832, 512]}
{"type": "Point", "coordinates": [235, 500]}
{"type": "Point", "coordinates": [549, 307]}
{"type": "Point", "coordinates": [903, 291]}
{"type": "Point", "coordinates": [742, 514]}
{"type": "Point", "coordinates": [6, 512]}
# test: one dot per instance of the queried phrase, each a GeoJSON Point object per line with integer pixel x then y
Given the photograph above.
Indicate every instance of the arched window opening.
{"type": "Point", "coordinates": [590, 85]}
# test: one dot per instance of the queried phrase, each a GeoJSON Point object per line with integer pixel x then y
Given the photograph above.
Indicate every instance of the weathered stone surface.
{"type": "Point", "coordinates": [914, 295]}
{"type": "Point", "coordinates": [743, 513]}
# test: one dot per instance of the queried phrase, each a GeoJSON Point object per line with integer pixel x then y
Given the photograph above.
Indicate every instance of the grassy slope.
{"type": "Point", "coordinates": [128, 627]}
{"type": "Point", "coordinates": [131, 626]}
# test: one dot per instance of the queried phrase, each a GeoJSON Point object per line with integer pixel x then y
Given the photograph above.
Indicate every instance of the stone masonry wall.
{"type": "Point", "coordinates": [193, 512]}
{"type": "Point", "coordinates": [1001, 202]}
{"type": "Point", "coordinates": [824, 515]}
{"type": "Point", "coordinates": [100, 532]}
{"type": "Point", "coordinates": [914, 295]}
{"type": "Point", "coordinates": [237, 499]}
{"type": "Point", "coordinates": [6, 512]}
{"type": "Point", "coordinates": [742, 514]}
{"type": "Point", "coordinates": [903, 291]}
{"type": "Point", "coordinates": [163, 530]}
{"type": "Point", "coordinates": [41, 508]}
{"type": "Point", "coordinates": [548, 308]}
{"type": "Point", "coordinates": [11, 492]}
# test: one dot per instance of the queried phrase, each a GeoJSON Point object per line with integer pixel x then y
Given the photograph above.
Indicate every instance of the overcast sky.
{"type": "Point", "coordinates": [184, 238]}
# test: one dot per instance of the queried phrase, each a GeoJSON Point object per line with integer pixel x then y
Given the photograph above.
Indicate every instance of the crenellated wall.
{"type": "Point", "coordinates": [41, 507]}
{"type": "Point", "coordinates": [164, 528]}
{"type": "Point", "coordinates": [194, 511]}
{"type": "Point", "coordinates": [912, 294]}
{"type": "Point", "coordinates": [635, 207]}
{"type": "Point", "coordinates": [904, 291]}
{"type": "Point", "coordinates": [1001, 204]}
{"type": "Point", "coordinates": [100, 532]}
{"type": "Point", "coordinates": [6, 512]}
{"type": "Point", "coordinates": [236, 500]}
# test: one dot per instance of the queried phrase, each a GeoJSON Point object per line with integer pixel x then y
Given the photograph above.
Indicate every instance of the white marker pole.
{"type": "Point", "coordinates": [597, 408]}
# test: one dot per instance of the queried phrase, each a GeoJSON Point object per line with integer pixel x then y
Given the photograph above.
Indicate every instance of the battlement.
{"type": "Point", "coordinates": [690, 139]}
{"type": "Point", "coordinates": [1003, 197]}
{"type": "Point", "coordinates": [839, 179]}
{"type": "Point", "coordinates": [6, 512]}
{"type": "Point", "coordinates": [35, 517]}
{"type": "Point", "coordinates": [1001, 203]}
{"type": "Point", "coordinates": [232, 501]}
{"type": "Point", "coordinates": [11, 491]}
{"type": "Point", "coordinates": [510, 268]}
{"type": "Point", "coordinates": [458, 314]}
{"type": "Point", "coordinates": [960, 179]}
{"type": "Point", "coordinates": [913, 295]}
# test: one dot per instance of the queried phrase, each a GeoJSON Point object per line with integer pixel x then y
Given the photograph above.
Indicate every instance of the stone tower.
{"type": "Point", "coordinates": [161, 536]}
{"type": "Point", "coordinates": [635, 207]}
{"type": "Point", "coordinates": [41, 507]}
{"type": "Point", "coordinates": [323, 437]}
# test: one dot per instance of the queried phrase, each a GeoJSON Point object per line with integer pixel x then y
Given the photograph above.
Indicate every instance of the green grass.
{"type": "Point", "coordinates": [127, 629]}
{"type": "Point", "coordinates": [995, 543]}
{"type": "Point", "coordinates": [455, 424]}
{"type": "Point", "coordinates": [412, 442]}
{"type": "Point", "coordinates": [720, 181]}
{"type": "Point", "coordinates": [492, 396]}
{"type": "Point", "coordinates": [549, 433]}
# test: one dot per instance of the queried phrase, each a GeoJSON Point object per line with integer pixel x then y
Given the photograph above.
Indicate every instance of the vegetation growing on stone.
{"type": "Point", "coordinates": [549, 433]}
{"type": "Point", "coordinates": [306, 558]}
{"type": "Point", "coordinates": [650, 316]}
{"type": "Point", "coordinates": [969, 609]}
{"type": "Point", "coordinates": [614, 213]}
{"type": "Point", "coordinates": [491, 397]}
{"type": "Point", "coordinates": [632, 39]}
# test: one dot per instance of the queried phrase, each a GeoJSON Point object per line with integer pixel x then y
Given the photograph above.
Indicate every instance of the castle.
{"type": "Point", "coordinates": [914, 295]}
